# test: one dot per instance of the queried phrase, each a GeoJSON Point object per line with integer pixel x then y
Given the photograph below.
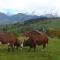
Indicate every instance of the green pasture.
{"type": "Point", "coordinates": [51, 52]}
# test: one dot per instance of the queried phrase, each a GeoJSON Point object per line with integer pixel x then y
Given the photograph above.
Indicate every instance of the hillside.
{"type": "Point", "coordinates": [31, 25]}
{"type": "Point", "coordinates": [20, 17]}
{"type": "Point", "coordinates": [50, 23]}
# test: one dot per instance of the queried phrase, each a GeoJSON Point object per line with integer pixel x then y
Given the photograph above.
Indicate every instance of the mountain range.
{"type": "Point", "coordinates": [20, 17]}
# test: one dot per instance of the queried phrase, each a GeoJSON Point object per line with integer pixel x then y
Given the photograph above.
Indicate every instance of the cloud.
{"type": "Point", "coordinates": [29, 5]}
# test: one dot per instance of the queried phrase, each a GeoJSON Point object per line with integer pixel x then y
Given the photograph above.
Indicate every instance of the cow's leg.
{"type": "Point", "coordinates": [17, 47]}
{"type": "Point", "coordinates": [34, 48]}
{"type": "Point", "coordinates": [21, 45]}
{"type": "Point", "coordinates": [29, 49]}
{"type": "Point", "coordinates": [12, 46]}
{"type": "Point", "coordinates": [44, 45]}
{"type": "Point", "coordinates": [8, 47]}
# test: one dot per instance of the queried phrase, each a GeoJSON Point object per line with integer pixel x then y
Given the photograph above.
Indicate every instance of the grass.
{"type": "Point", "coordinates": [51, 52]}
{"type": "Point", "coordinates": [53, 24]}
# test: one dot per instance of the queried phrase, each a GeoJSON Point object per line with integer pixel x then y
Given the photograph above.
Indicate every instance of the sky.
{"type": "Point", "coordinates": [38, 7]}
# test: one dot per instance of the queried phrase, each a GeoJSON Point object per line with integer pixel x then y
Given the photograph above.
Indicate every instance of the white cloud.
{"type": "Point", "coordinates": [30, 5]}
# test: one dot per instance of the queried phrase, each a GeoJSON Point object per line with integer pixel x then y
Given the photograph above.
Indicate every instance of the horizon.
{"type": "Point", "coordinates": [34, 7]}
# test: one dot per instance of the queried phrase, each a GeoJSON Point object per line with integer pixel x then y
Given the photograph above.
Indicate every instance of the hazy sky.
{"type": "Point", "coordinates": [30, 6]}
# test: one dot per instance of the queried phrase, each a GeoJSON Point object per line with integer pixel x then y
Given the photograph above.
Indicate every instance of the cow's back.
{"type": "Point", "coordinates": [39, 37]}
{"type": "Point", "coordinates": [7, 37]}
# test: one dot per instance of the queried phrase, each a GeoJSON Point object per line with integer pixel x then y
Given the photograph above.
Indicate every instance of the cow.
{"type": "Point", "coordinates": [35, 38]}
{"type": "Point", "coordinates": [10, 39]}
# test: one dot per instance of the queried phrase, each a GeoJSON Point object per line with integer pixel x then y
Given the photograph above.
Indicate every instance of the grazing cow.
{"type": "Point", "coordinates": [35, 38]}
{"type": "Point", "coordinates": [9, 39]}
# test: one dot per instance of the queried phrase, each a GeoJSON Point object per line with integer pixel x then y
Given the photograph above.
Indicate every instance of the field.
{"type": "Point", "coordinates": [51, 52]}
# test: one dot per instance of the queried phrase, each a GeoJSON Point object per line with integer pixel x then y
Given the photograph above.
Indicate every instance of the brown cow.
{"type": "Point", "coordinates": [10, 39]}
{"type": "Point", "coordinates": [35, 38]}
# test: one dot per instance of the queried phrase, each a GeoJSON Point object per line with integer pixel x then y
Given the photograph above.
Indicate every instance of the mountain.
{"type": "Point", "coordinates": [47, 18]}
{"type": "Point", "coordinates": [3, 18]}
{"type": "Point", "coordinates": [20, 17]}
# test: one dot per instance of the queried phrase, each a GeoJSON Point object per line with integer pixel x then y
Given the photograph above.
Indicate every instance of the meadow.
{"type": "Point", "coordinates": [51, 52]}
